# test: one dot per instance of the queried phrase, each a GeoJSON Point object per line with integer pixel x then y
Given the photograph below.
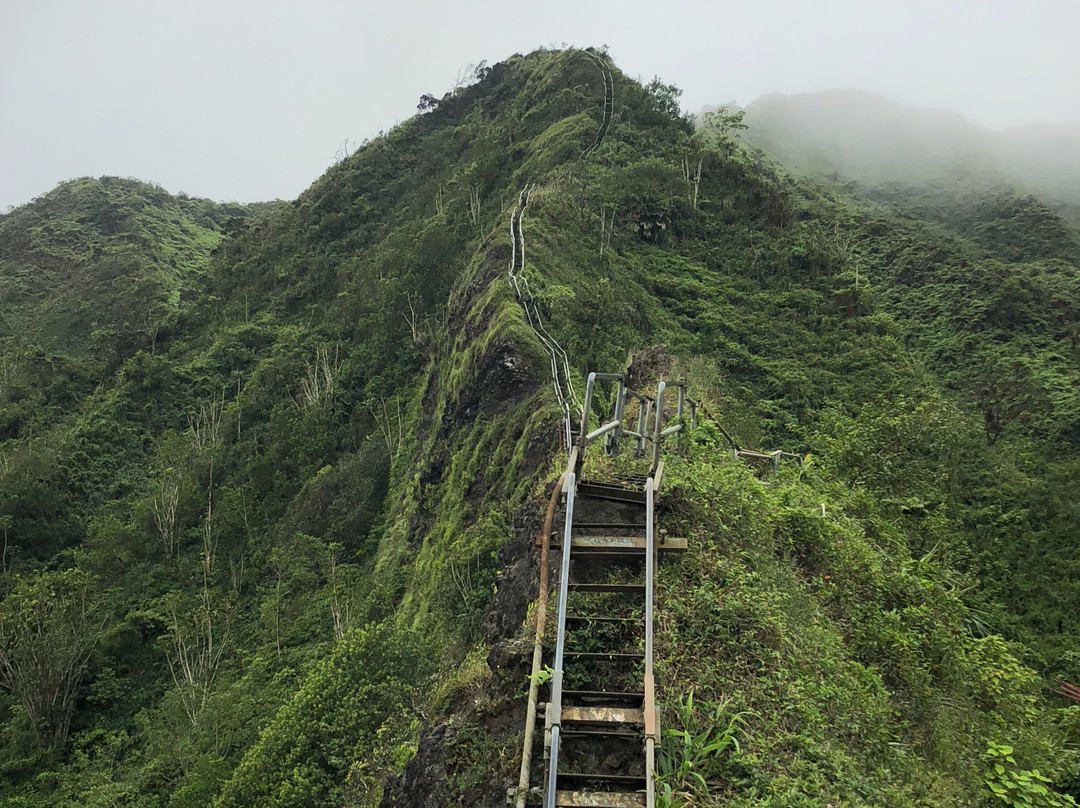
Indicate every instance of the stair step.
{"type": "Point", "coordinates": [585, 545]}
{"type": "Point", "coordinates": [594, 714]}
{"type": "Point", "coordinates": [610, 525]}
{"type": "Point", "coordinates": [609, 589]}
{"type": "Point", "coordinates": [613, 732]}
{"type": "Point", "coordinates": [611, 492]}
{"type": "Point", "coordinates": [588, 618]}
{"type": "Point", "coordinates": [598, 799]}
{"type": "Point", "coordinates": [606, 695]}
{"type": "Point", "coordinates": [602, 655]}
{"type": "Point", "coordinates": [625, 479]}
{"type": "Point", "coordinates": [581, 778]}
{"type": "Point", "coordinates": [611, 556]}
{"type": "Point", "coordinates": [626, 732]}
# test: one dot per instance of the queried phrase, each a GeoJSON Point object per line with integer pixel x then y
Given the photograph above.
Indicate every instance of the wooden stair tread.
{"type": "Point", "coordinates": [595, 714]}
{"type": "Point", "coordinates": [603, 695]}
{"type": "Point", "coordinates": [609, 589]}
{"type": "Point", "coordinates": [631, 780]}
{"type": "Point", "coordinates": [603, 655]}
{"type": "Point", "coordinates": [588, 618]}
{"type": "Point", "coordinates": [624, 480]}
{"type": "Point", "coordinates": [611, 492]}
{"type": "Point", "coordinates": [620, 732]}
{"type": "Point", "coordinates": [599, 799]}
{"type": "Point", "coordinates": [627, 543]}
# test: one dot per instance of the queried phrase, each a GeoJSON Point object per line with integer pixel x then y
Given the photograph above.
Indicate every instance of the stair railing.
{"type": "Point", "coordinates": [614, 429]}
{"type": "Point", "coordinates": [652, 729]}
{"type": "Point", "coordinates": [649, 426]}
{"type": "Point", "coordinates": [555, 704]}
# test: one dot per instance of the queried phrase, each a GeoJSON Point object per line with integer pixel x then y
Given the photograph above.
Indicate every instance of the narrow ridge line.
{"type": "Point", "coordinates": [560, 361]}
{"type": "Point", "coordinates": [609, 103]}
{"type": "Point", "coordinates": [532, 314]}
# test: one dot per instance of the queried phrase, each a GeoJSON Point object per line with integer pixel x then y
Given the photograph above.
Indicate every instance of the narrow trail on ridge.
{"type": "Point", "coordinates": [561, 380]}
{"type": "Point", "coordinates": [609, 103]}
{"type": "Point", "coordinates": [560, 363]}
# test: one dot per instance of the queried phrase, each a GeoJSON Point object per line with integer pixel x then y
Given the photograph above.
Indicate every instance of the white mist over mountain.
{"type": "Point", "coordinates": [859, 136]}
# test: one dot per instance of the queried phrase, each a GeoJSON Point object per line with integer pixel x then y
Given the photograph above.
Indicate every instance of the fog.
{"type": "Point", "coordinates": [876, 141]}
{"type": "Point", "coordinates": [243, 100]}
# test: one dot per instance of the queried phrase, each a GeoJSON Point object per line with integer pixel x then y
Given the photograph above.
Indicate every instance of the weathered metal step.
{"type": "Point", "coordinates": [612, 556]}
{"type": "Point", "coordinates": [599, 799]}
{"type": "Point", "coordinates": [588, 618]}
{"type": "Point", "coordinates": [602, 655]}
{"type": "Point", "coordinates": [604, 695]}
{"type": "Point", "coordinates": [596, 714]}
{"type": "Point", "coordinates": [636, 525]}
{"type": "Point", "coordinates": [627, 479]}
{"type": "Point", "coordinates": [609, 589]}
{"type": "Point", "coordinates": [627, 781]}
{"type": "Point", "coordinates": [613, 732]}
{"type": "Point", "coordinates": [630, 544]}
{"type": "Point", "coordinates": [612, 492]}
{"type": "Point", "coordinates": [623, 732]}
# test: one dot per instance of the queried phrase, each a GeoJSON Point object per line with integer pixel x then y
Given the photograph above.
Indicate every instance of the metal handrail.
{"type": "Point", "coordinates": [656, 426]}
{"type": "Point", "coordinates": [646, 431]}
{"type": "Point", "coordinates": [555, 704]}
{"type": "Point", "coordinates": [651, 729]}
{"type": "Point", "coordinates": [583, 437]}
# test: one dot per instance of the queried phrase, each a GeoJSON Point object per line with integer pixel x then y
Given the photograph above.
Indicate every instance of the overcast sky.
{"type": "Point", "coordinates": [240, 100]}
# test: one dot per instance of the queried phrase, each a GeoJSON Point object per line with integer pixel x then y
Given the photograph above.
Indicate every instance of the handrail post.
{"type": "Point", "coordinates": [585, 411]}
{"type": "Point", "coordinates": [555, 709]}
{"type": "Point", "coordinates": [657, 424]}
{"type": "Point", "coordinates": [643, 423]}
{"type": "Point", "coordinates": [620, 407]}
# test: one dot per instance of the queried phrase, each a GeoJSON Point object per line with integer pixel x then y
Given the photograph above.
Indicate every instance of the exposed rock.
{"type": "Point", "coordinates": [649, 367]}
{"type": "Point", "coordinates": [421, 785]}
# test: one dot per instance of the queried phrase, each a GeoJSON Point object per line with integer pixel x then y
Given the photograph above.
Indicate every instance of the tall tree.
{"type": "Point", "coordinates": [49, 626]}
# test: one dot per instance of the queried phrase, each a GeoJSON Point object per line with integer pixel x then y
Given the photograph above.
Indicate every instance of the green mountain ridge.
{"type": "Point", "coordinates": [102, 262]}
{"type": "Point", "coordinates": [276, 548]}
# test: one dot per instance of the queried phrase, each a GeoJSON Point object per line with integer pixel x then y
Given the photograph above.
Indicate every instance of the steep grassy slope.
{"type": "Point", "coordinates": [983, 280]}
{"type": "Point", "coordinates": [299, 535]}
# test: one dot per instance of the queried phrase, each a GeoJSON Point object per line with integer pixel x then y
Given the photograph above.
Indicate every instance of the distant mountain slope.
{"type": "Point", "coordinates": [872, 140]}
{"type": "Point", "coordinates": [95, 266]}
{"type": "Point", "coordinates": [1045, 158]}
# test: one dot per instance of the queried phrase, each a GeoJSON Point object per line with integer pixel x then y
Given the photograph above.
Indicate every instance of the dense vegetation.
{"type": "Point", "coordinates": [269, 477]}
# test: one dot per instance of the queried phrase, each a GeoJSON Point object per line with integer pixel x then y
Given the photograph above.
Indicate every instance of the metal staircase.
{"type": "Point", "coordinates": [600, 721]}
